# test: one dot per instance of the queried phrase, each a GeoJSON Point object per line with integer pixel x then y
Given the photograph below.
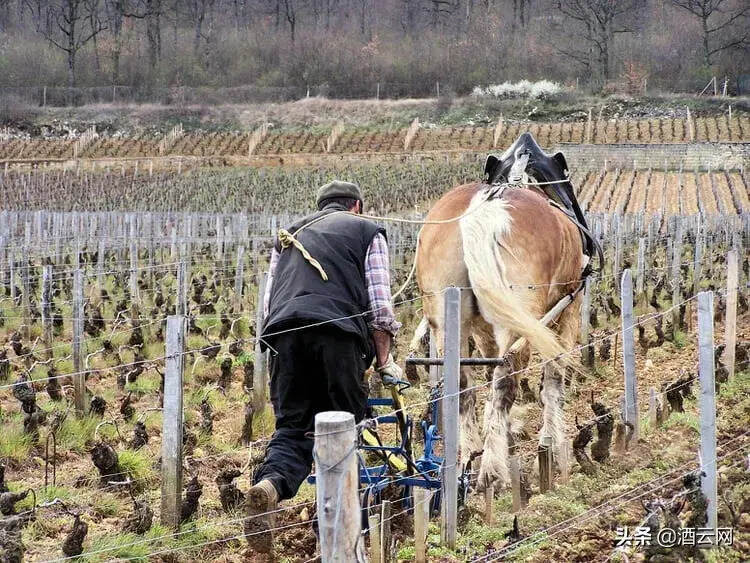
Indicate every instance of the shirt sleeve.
{"type": "Point", "coordinates": [378, 279]}
{"type": "Point", "coordinates": [271, 273]}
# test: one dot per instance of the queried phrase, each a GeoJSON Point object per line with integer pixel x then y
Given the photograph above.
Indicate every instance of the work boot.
{"type": "Point", "coordinates": [262, 498]}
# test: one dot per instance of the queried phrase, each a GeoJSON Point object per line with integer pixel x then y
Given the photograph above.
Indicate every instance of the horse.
{"type": "Point", "coordinates": [516, 252]}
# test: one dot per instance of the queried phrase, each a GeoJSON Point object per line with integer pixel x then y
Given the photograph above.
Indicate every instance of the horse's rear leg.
{"type": "Point", "coordinates": [553, 390]}
{"type": "Point", "coordinates": [497, 420]}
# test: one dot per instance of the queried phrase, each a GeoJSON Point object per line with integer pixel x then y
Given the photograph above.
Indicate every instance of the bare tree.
{"type": "Point", "coordinates": [197, 11]}
{"type": "Point", "coordinates": [724, 24]}
{"type": "Point", "coordinates": [291, 11]}
{"type": "Point", "coordinates": [598, 21]}
{"type": "Point", "coordinates": [68, 25]}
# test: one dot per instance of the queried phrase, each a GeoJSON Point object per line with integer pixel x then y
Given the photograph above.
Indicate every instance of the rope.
{"type": "Point", "coordinates": [287, 239]}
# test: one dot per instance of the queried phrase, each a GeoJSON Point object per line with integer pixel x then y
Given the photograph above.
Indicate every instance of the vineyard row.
{"type": "Point", "coordinates": [353, 140]}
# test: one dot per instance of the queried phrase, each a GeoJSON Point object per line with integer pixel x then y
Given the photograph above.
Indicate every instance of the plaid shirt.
{"type": "Point", "coordinates": [380, 315]}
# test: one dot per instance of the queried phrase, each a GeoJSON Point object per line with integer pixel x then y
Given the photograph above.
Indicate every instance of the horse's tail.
{"type": "Point", "coordinates": [482, 231]}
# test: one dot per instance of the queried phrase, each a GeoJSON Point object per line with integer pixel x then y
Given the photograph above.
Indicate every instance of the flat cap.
{"type": "Point", "coordinates": [337, 188]}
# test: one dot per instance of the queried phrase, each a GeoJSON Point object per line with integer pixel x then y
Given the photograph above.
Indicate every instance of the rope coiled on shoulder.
{"type": "Point", "coordinates": [287, 239]}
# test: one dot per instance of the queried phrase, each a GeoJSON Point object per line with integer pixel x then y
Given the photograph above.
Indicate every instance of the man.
{"type": "Point", "coordinates": [328, 313]}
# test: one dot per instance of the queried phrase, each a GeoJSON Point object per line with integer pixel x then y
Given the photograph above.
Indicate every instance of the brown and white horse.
{"type": "Point", "coordinates": [519, 255]}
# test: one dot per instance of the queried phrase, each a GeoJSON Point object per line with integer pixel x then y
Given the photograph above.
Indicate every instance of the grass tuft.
{"type": "Point", "coordinates": [14, 444]}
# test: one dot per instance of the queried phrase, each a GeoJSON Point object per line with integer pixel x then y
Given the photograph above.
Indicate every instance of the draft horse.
{"type": "Point", "coordinates": [518, 251]}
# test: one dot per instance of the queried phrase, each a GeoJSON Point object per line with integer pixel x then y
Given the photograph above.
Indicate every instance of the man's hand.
{"type": "Point", "coordinates": [390, 371]}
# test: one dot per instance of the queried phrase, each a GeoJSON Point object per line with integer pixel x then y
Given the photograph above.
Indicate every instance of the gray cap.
{"type": "Point", "coordinates": [337, 188]}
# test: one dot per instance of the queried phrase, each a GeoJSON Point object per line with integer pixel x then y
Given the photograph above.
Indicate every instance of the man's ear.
{"type": "Point", "coordinates": [358, 207]}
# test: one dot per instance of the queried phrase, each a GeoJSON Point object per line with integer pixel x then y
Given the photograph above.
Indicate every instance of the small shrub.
{"type": "Point", "coordinates": [523, 89]}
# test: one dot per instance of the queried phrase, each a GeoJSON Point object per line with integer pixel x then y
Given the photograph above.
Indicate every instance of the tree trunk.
{"type": "Point", "coordinates": [706, 52]}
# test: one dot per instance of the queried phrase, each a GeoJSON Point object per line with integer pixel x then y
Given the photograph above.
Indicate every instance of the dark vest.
{"type": "Point", "coordinates": [299, 296]}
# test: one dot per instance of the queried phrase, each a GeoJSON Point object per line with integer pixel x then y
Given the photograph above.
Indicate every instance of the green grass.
{"type": "Point", "coordinates": [137, 464]}
{"type": "Point", "coordinates": [146, 384]}
{"type": "Point", "coordinates": [684, 419]}
{"type": "Point", "coordinates": [680, 339]}
{"type": "Point", "coordinates": [137, 548]}
{"type": "Point", "coordinates": [77, 433]}
{"type": "Point", "coordinates": [14, 444]}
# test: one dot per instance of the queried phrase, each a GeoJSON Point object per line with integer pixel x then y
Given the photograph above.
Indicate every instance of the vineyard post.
{"type": "Point", "coordinates": [337, 484]}
{"type": "Point", "coordinates": [171, 445]}
{"type": "Point", "coordinates": [617, 263]}
{"type": "Point", "coordinates": [173, 244]}
{"type": "Point", "coordinates": [134, 276]}
{"type": "Point", "coordinates": [707, 402]}
{"type": "Point", "coordinates": [697, 260]}
{"type": "Point", "coordinates": [676, 281]}
{"type": "Point", "coordinates": [26, 288]}
{"type": "Point", "coordinates": [628, 353]}
{"type": "Point", "coordinates": [489, 498]}
{"type": "Point", "coordinates": [652, 418]}
{"type": "Point", "coordinates": [12, 274]}
{"type": "Point", "coordinates": [544, 453]}
{"type": "Point", "coordinates": [514, 464]}
{"type": "Point", "coordinates": [588, 128]}
{"type": "Point", "coordinates": [373, 528]}
{"type": "Point", "coordinates": [386, 535]}
{"type": "Point", "coordinates": [451, 377]}
{"type": "Point", "coordinates": [181, 307]}
{"type": "Point", "coordinates": [730, 318]}
{"type": "Point", "coordinates": [238, 278]}
{"type": "Point", "coordinates": [47, 308]}
{"type": "Point", "coordinates": [641, 266]}
{"type": "Point", "coordinates": [421, 522]}
{"type": "Point", "coordinates": [100, 264]}
{"type": "Point", "coordinates": [79, 379]}
{"type": "Point", "coordinates": [259, 373]}
{"type": "Point", "coordinates": [587, 352]}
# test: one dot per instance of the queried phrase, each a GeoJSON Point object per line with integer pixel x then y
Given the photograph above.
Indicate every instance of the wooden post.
{"type": "Point", "coordinates": [238, 278]}
{"type": "Point", "coordinates": [181, 307]}
{"type": "Point", "coordinates": [26, 287]}
{"type": "Point", "coordinates": [730, 318]}
{"type": "Point", "coordinates": [337, 484]}
{"type": "Point", "coordinates": [171, 436]}
{"type": "Point", "coordinates": [47, 309]}
{"type": "Point", "coordinates": [641, 267]}
{"type": "Point", "coordinates": [134, 278]}
{"type": "Point", "coordinates": [451, 377]}
{"type": "Point", "coordinates": [676, 277]}
{"type": "Point", "coordinates": [707, 402]}
{"type": "Point", "coordinates": [12, 275]}
{"type": "Point", "coordinates": [587, 353]}
{"type": "Point", "coordinates": [386, 537]}
{"type": "Point", "coordinates": [100, 264]}
{"type": "Point", "coordinates": [489, 498]}
{"type": "Point", "coordinates": [617, 262]}
{"type": "Point", "coordinates": [545, 464]}
{"type": "Point", "coordinates": [376, 549]}
{"type": "Point", "coordinates": [652, 419]}
{"type": "Point", "coordinates": [628, 352]}
{"type": "Point", "coordinates": [421, 521]}
{"type": "Point", "coordinates": [697, 262]}
{"type": "Point", "coordinates": [260, 372]}
{"type": "Point", "coordinates": [79, 379]}
{"type": "Point", "coordinates": [514, 464]}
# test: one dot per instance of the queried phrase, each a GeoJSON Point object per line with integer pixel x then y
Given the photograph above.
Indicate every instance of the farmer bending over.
{"type": "Point", "coordinates": [328, 313]}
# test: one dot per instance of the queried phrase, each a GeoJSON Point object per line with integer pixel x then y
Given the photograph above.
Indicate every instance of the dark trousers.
{"type": "Point", "coordinates": [312, 370]}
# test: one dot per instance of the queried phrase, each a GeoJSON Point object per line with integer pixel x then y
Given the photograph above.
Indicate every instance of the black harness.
{"type": "Point", "coordinates": [549, 171]}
